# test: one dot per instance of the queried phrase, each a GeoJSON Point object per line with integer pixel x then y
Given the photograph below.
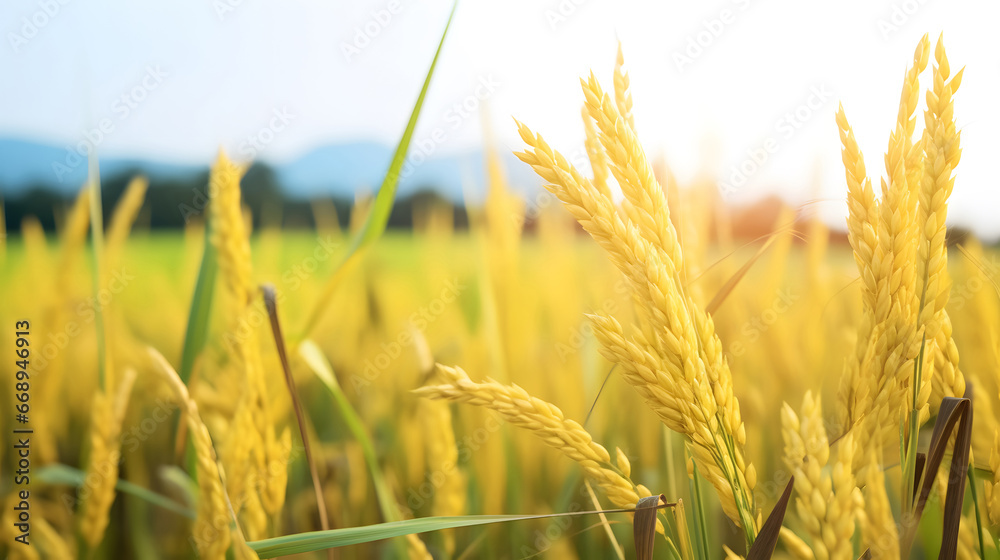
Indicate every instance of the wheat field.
{"type": "Point", "coordinates": [227, 393]}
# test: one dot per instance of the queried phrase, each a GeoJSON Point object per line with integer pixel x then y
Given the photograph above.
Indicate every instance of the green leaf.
{"type": "Point", "coordinates": [58, 474]}
{"type": "Point", "coordinates": [378, 218]}
{"type": "Point", "coordinates": [318, 363]}
{"type": "Point", "coordinates": [321, 540]}
{"type": "Point", "coordinates": [196, 333]}
{"type": "Point", "coordinates": [181, 481]}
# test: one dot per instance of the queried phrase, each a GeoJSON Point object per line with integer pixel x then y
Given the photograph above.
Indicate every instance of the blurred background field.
{"type": "Point", "coordinates": [491, 299]}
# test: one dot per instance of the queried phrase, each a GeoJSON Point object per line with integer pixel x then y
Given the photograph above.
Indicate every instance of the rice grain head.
{"type": "Point", "coordinates": [542, 419]}
{"type": "Point", "coordinates": [211, 527]}
{"type": "Point", "coordinates": [105, 457]}
{"type": "Point", "coordinates": [679, 368]}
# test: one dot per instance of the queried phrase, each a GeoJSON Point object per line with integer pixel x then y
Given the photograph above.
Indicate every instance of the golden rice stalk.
{"type": "Point", "coordinates": [908, 100]}
{"type": "Point", "coordinates": [72, 238]}
{"type": "Point", "coordinates": [416, 548]}
{"type": "Point", "coordinates": [623, 97]}
{"type": "Point", "coordinates": [942, 151]}
{"type": "Point", "coordinates": [276, 452]}
{"type": "Point", "coordinates": [826, 500]}
{"type": "Point", "coordinates": [730, 555]}
{"type": "Point", "coordinates": [106, 418]}
{"type": "Point", "coordinates": [241, 441]}
{"type": "Point", "coordinates": [231, 239]}
{"type": "Point", "coordinates": [894, 338]}
{"type": "Point", "coordinates": [15, 550]}
{"type": "Point", "coordinates": [688, 409]}
{"type": "Point", "coordinates": [689, 377]}
{"type": "Point", "coordinates": [862, 220]}
{"type": "Point", "coordinates": [123, 217]}
{"type": "Point", "coordinates": [648, 205]}
{"type": "Point", "coordinates": [543, 419]}
{"type": "Point", "coordinates": [211, 527]}
{"type": "Point", "coordinates": [241, 550]}
{"type": "Point", "coordinates": [795, 545]}
{"type": "Point", "coordinates": [229, 233]}
{"type": "Point", "coordinates": [878, 528]}
{"type": "Point", "coordinates": [253, 516]}
{"type": "Point", "coordinates": [49, 540]}
{"type": "Point", "coordinates": [595, 153]}
{"type": "Point", "coordinates": [442, 456]}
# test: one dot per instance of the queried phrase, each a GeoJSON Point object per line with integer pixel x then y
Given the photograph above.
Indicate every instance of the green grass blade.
{"type": "Point", "coordinates": [318, 363]}
{"type": "Point", "coordinates": [58, 474]}
{"type": "Point", "coordinates": [321, 540]}
{"type": "Point", "coordinates": [181, 481]}
{"type": "Point", "coordinates": [975, 507]}
{"type": "Point", "coordinates": [378, 218]}
{"type": "Point", "coordinates": [196, 333]}
{"type": "Point", "coordinates": [700, 523]}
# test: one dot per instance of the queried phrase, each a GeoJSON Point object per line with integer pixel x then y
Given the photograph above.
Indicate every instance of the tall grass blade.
{"type": "Point", "coordinates": [199, 312]}
{"type": "Point", "coordinates": [271, 303]}
{"type": "Point", "coordinates": [321, 367]}
{"type": "Point", "coordinates": [731, 284]}
{"type": "Point", "coordinates": [321, 540]}
{"type": "Point", "coordinates": [57, 474]}
{"type": "Point", "coordinates": [378, 218]}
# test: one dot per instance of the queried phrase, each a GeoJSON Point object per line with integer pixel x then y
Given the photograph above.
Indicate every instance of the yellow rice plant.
{"type": "Point", "coordinates": [674, 360]}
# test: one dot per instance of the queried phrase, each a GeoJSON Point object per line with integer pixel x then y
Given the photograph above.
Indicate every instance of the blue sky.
{"type": "Point", "coordinates": [713, 82]}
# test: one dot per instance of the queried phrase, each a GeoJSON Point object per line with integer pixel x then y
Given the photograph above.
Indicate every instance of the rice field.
{"type": "Point", "coordinates": [453, 394]}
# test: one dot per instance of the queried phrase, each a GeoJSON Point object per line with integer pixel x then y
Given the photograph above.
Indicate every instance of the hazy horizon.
{"type": "Point", "coordinates": [712, 82]}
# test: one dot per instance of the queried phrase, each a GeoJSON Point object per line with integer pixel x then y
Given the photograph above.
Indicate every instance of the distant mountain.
{"type": "Point", "coordinates": [334, 170]}
{"type": "Point", "coordinates": [25, 164]}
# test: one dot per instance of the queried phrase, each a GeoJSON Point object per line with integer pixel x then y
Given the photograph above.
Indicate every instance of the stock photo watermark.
{"type": "Point", "coordinates": [456, 116]}
{"type": "Point", "coordinates": [899, 15]}
{"type": "Point", "coordinates": [561, 12]}
{"type": "Point", "coordinates": [419, 320]}
{"type": "Point", "coordinates": [31, 25]}
{"type": "Point", "coordinates": [697, 43]}
{"type": "Point", "coordinates": [86, 313]}
{"type": "Point", "coordinates": [257, 142]}
{"type": "Point", "coordinates": [785, 128]}
{"type": "Point", "coordinates": [758, 325]}
{"type": "Point", "coordinates": [366, 33]}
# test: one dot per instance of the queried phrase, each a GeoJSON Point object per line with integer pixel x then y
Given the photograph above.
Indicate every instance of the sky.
{"type": "Point", "coordinates": [719, 86]}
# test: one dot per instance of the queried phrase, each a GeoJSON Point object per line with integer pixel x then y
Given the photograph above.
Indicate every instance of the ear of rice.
{"type": "Point", "coordinates": [107, 413]}
{"type": "Point", "coordinates": [675, 361]}
{"type": "Point", "coordinates": [211, 530]}
{"type": "Point", "coordinates": [941, 152]}
{"type": "Point", "coordinates": [229, 231]}
{"type": "Point", "coordinates": [889, 376]}
{"type": "Point", "coordinates": [542, 419]}
{"type": "Point", "coordinates": [123, 217]}
{"type": "Point", "coordinates": [878, 528]}
{"type": "Point", "coordinates": [596, 156]}
{"type": "Point", "coordinates": [623, 97]}
{"type": "Point", "coordinates": [825, 500]}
